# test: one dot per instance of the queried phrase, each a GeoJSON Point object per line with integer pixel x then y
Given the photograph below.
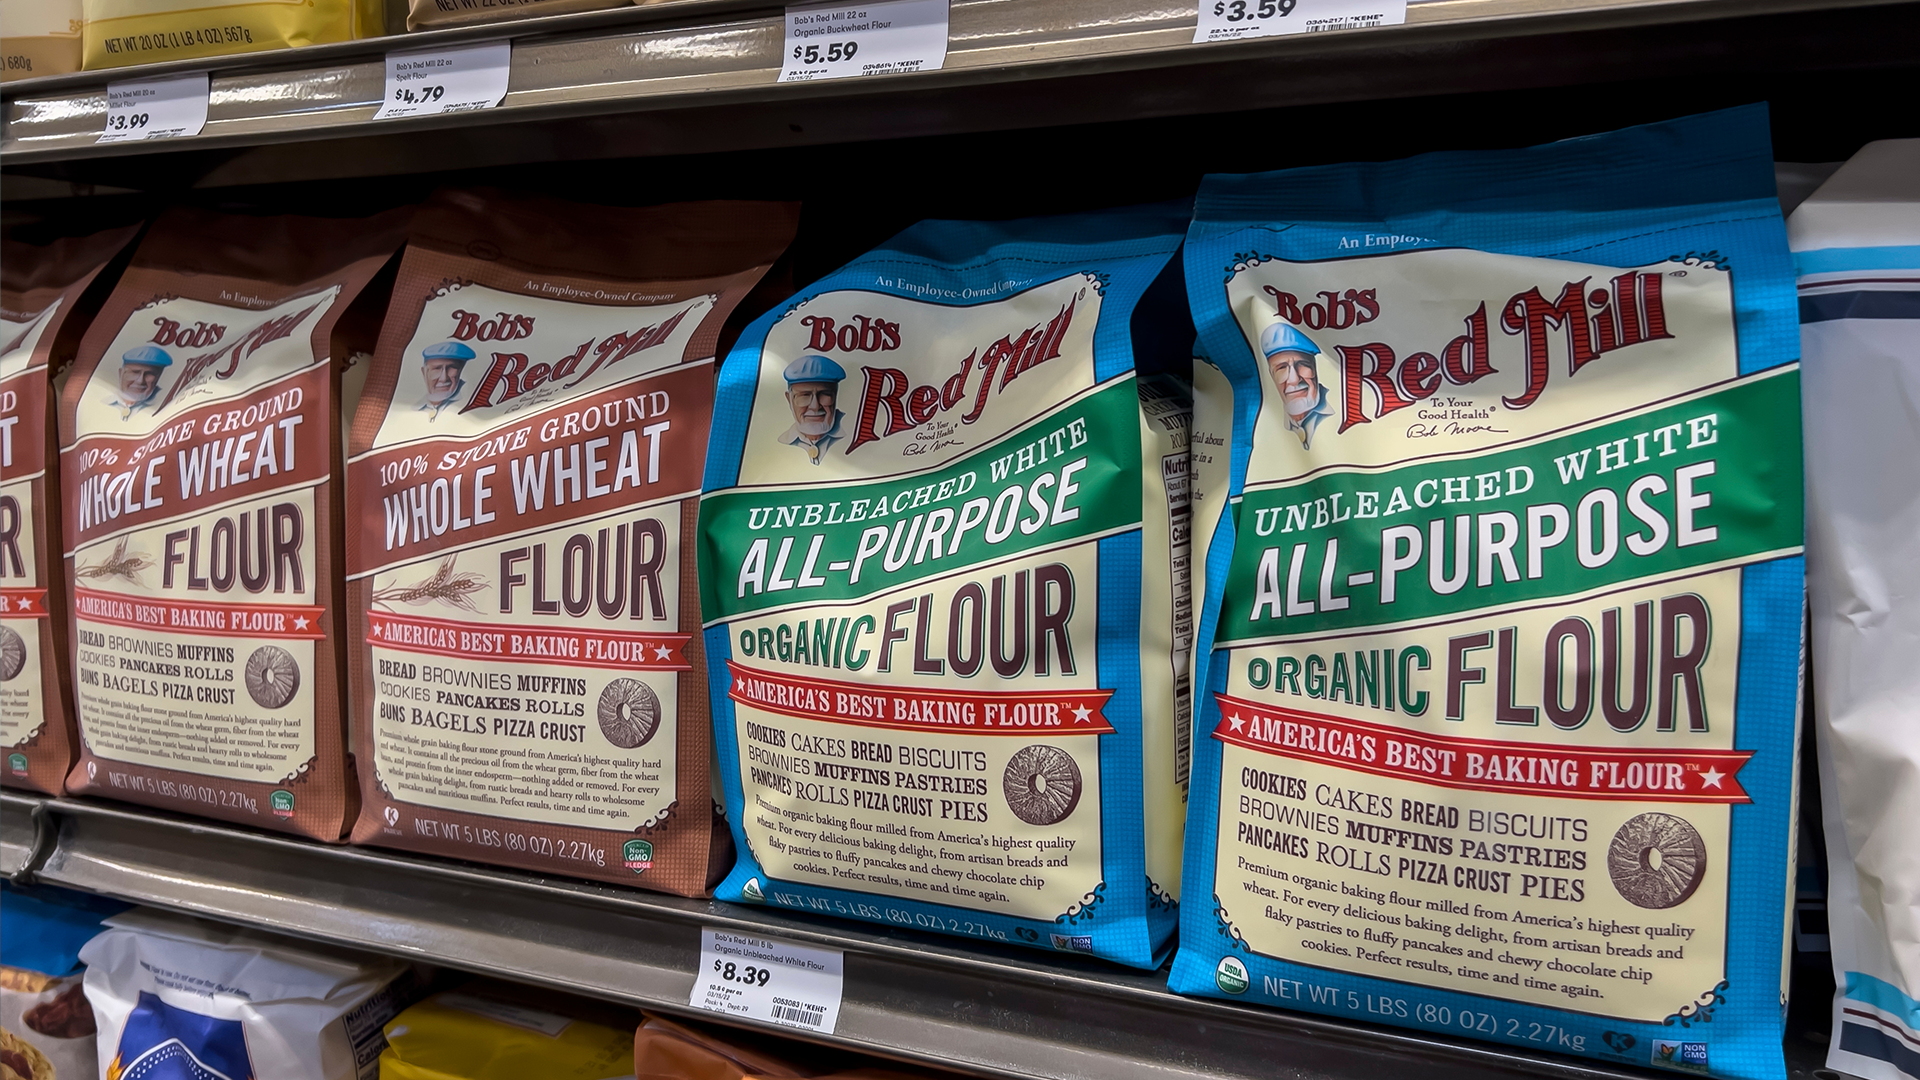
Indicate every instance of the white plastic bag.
{"type": "Point", "coordinates": [1856, 245]}
{"type": "Point", "coordinates": [177, 997]}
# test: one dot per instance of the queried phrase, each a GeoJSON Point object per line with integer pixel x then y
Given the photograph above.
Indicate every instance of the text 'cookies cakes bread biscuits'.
{"type": "Point", "coordinates": [200, 454]}
{"type": "Point", "coordinates": [46, 293]}
{"type": "Point", "coordinates": [526, 470]}
{"type": "Point", "coordinates": [945, 560]}
{"type": "Point", "coordinates": [1502, 702]}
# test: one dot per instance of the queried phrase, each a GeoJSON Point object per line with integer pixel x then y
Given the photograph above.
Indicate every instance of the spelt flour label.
{"type": "Point", "coordinates": [526, 462]}
{"type": "Point", "coordinates": [939, 481]}
{"type": "Point", "coordinates": [1503, 682]}
{"type": "Point", "coordinates": [199, 444]}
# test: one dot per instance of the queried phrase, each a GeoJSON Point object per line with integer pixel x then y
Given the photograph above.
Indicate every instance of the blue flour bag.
{"type": "Point", "coordinates": [944, 562]}
{"type": "Point", "coordinates": [1504, 679]}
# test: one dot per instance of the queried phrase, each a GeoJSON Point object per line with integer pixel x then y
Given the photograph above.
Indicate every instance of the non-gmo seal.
{"type": "Point", "coordinates": [1231, 976]}
{"type": "Point", "coordinates": [637, 856]}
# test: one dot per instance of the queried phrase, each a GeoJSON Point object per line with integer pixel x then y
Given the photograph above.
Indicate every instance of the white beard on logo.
{"type": "Point", "coordinates": [814, 428]}
{"type": "Point", "coordinates": [1298, 407]}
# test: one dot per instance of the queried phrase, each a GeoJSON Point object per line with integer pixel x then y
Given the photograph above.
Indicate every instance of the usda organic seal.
{"type": "Point", "coordinates": [1231, 976]}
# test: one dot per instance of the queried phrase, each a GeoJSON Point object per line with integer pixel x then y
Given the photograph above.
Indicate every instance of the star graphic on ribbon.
{"type": "Point", "coordinates": [300, 622]}
{"type": "Point", "coordinates": [1080, 714]}
{"type": "Point", "coordinates": [1235, 722]}
{"type": "Point", "coordinates": [1711, 778]}
{"type": "Point", "coordinates": [661, 652]}
{"type": "Point", "coordinates": [26, 604]}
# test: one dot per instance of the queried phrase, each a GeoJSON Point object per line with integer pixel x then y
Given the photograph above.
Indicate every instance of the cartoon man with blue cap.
{"type": "Point", "coordinates": [440, 370]}
{"type": "Point", "coordinates": [140, 372]}
{"type": "Point", "coordinates": [813, 388]}
{"type": "Point", "coordinates": [1293, 364]}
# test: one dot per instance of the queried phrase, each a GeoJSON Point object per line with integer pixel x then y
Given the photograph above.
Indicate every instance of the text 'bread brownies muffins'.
{"type": "Point", "coordinates": [43, 293]}
{"type": "Point", "coordinates": [199, 452]}
{"type": "Point", "coordinates": [1502, 701]}
{"type": "Point", "coordinates": [525, 470]}
{"type": "Point", "coordinates": [943, 548]}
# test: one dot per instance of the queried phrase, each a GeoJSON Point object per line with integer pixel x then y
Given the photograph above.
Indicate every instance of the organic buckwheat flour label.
{"type": "Point", "coordinates": [526, 467]}
{"type": "Point", "coordinates": [945, 556]}
{"type": "Point", "coordinates": [1502, 708]}
{"type": "Point", "coordinates": [199, 444]}
{"type": "Point", "coordinates": [41, 296]}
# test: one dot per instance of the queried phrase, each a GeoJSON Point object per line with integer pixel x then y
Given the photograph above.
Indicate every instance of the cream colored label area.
{"type": "Point", "coordinates": [180, 701]}
{"type": "Point", "coordinates": [1166, 621]}
{"type": "Point", "coordinates": [1337, 853]}
{"type": "Point", "coordinates": [1440, 351]}
{"type": "Point", "coordinates": [990, 803]}
{"type": "Point", "coordinates": [530, 678]}
{"type": "Point", "coordinates": [40, 18]}
{"type": "Point", "coordinates": [479, 356]}
{"type": "Point", "coordinates": [20, 336]}
{"type": "Point", "coordinates": [196, 640]}
{"type": "Point", "coordinates": [856, 385]}
{"type": "Point", "coordinates": [22, 698]}
{"type": "Point", "coordinates": [176, 353]}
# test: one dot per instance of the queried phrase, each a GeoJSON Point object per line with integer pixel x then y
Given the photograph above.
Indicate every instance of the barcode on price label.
{"type": "Point", "coordinates": [1237, 20]}
{"type": "Point", "coordinates": [749, 977]}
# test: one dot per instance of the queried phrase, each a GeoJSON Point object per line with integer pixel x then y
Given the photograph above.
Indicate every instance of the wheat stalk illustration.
{"type": "Point", "coordinates": [445, 587]}
{"type": "Point", "coordinates": [118, 564]}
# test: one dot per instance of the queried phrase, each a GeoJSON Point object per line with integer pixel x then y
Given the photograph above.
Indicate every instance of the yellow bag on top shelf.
{"type": "Point", "coordinates": [459, 1036]}
{"type": "Point", "coordinates": [123, 32]}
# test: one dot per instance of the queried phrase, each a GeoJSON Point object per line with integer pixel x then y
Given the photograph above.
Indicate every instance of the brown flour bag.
{"type": "Point", "coordinates": [526, 462]}
{"type": "Point", "coordinates": [43, 291]}
{"type": "Point", "coordinates": [199, 442]}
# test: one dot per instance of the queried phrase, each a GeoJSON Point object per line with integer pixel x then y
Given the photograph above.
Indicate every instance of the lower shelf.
{"type": "Point", "coordinates": [979, 1008]}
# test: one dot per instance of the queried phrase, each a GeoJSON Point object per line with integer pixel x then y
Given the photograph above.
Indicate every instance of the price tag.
{"type": "Point", "coordinates": [1235, 20]}
{"type": "Point", "coordinates": [171, 108]}
{"type": "Point", "coordinates": [886, 37]}
{"type": "Point", "coordinates": [456, 79]}
{"type": "Point", "coordinates": [759, 978]}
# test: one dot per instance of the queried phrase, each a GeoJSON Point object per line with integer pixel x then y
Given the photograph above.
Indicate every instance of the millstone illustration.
{"type": "Point", "coordinates": [272, 676]}
{"type": "Point", "coordinates": [13, 654]}
{"type": "Point", "coordinates": [629, 713]}
{"type": "Point", "coordinates": [1657, 860]}
{"type": "Point", "coordinates": [1042, 784]}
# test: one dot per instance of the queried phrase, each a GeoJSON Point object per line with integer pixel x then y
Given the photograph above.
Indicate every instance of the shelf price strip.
{"type": "Point", "coordinates": [174, 107]}
{"type": "Point", "coordinates": [748, 977]}
{"type": "Point", "coordinates": [460, 78]}
{"type": "Point", "coordinates": [887, 37]}
{"type": "Point", "coordinates": [1237, 20]}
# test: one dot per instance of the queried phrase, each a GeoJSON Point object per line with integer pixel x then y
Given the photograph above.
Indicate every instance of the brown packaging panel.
{"type": "Point", "coordinates": [200, 446]}
{"type": "Point", "coordinates": [44, 293]}
{"type": "Point", "coordinates": [525, 472]}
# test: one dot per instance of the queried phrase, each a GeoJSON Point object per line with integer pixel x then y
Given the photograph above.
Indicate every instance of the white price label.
{"type": "Point", "coordinates": [170, 108]}
{"type": "Point", "coordinates": [886, 37]}
{"type": "Point", "coordinates": [1235, 20]}
{"type": "Point", "coordinates": [759, 978]}
{"type": "Point", "coordinates": [456, 79]}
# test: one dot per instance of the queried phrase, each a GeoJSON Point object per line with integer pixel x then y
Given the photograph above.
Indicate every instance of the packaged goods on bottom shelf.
{"type": "Point", "coordinates": [1857, 249]}
{"type": "Point", "coordinates": [471, 1034]}
{"type": "Point", "coordinates": [665, 1049]}
{"type": "Point", "coordinates": [44, 290]}
{"type": "Point", "coordinates": [200, 452]}
{"type": "Point", "coordinates": [526, 462]}
{"type": "Point", "coordinates": [46, 1025]}
{"type": "Point", "coordinates": [1503, 691]}
{"type": "Point", "coordinates": [176, 996]}
{"type": "Point", "coordinates": [944, 568]}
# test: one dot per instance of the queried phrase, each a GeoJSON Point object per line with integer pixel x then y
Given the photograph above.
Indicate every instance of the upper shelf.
{"type": "Point", "coordinates": [984, 1009]}
{"type": "Point", "coordinates": [701, 75]}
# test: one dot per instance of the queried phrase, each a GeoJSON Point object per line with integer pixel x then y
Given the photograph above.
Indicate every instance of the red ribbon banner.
{"type": "Point", "coordinates": [1636, 774]}
{"type": "Point", "coordinates": [23, 603]}
{"type": "Point", "coordinates": [955, 712]}
{"type": "Point", "coordinates": [541, 645]}
{"type": "Point", "coordinates": [294, 621]}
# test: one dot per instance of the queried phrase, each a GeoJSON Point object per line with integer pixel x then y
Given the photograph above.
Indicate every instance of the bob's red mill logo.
{"type": "Point", "coordinates": [511, 374]}
{"type": "Point", "coordinates": [194, 369]}
{"type": "Point", "coordinates": [891, 404]}
{"type": "Point", "coordinates": [1592, 321]}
